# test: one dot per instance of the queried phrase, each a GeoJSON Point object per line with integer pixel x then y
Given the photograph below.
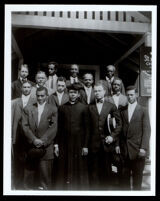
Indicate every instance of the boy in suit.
{"type": "Point", "coordinates": [134, 140]}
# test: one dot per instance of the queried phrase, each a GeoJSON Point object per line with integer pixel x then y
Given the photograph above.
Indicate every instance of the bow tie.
{"type": "Point", "coordinates": [100, 101]}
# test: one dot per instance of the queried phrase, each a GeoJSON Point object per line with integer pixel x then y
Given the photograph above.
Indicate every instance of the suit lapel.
{"type": "Point", "coordinates": [43, 115]}
{"type": "Point", "coordinates": [64, 98]}
{"type": "Point", "coordinates": [95, 109]}
{"type": "Point", "coordinates": [35, 114]}
{"type": "Point", "coordinates": [92, 96]}
{"type": "Point", "coordinates": [56, 99]}
{"type": "Point", "coordinates": [135, 113]}
{"type": "Point", "coordinates": [126, 114]}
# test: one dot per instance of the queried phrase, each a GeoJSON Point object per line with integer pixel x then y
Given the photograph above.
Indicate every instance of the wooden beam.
{"type": "Point", "coordinates": [79, 24]}
{"type": "Point", "coordinates": [132, 49]}
{"type": "Point", "coordinates": [139, 17]}
{"type": "Point", "coordinates": [16, 47]}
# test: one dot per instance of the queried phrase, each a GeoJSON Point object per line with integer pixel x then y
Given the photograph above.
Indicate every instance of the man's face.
{"type": "Point", "coordinates": [73, 95]}
{"type": "Point", "coordinates": [41, 79]}
{"type": "Point", "coordinates": [74, 70]}
{"type": "Point", "coordinates": [26, 89]}
{"type": "Point", "coordinates": [61, 85]}
{"type": "Point", "coordinates": [23, 72]}
{"type": "Point", "coordinates": [51, 69]}
{"type": "Point", "coordinates": [41, 97]}
{"type": "Point", "coordinates": [88, 80]}
{"type": "Point", "coordinates": [110, 71]}
{"type": "Point", "coordinates": [116, 86]}
{"type": "Point", "coordinates": [131, 95]}
{"type": "Point", "coordinates": [99, 92]}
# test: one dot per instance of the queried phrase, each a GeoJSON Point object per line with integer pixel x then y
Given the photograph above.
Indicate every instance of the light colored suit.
{"type": "Point", "coordinates": [122, 100]}
{"type": "Point", "coordinates": [51, 90]}
{"type": "Point", "coordinates": [53, 99]}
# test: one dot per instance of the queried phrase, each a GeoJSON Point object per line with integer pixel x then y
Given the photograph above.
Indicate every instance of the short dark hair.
{"type": "Point", "coordinates": [23, 65]}
{"type": "Point", "coordinates": [62, 79]}
{"type": "Point", "coordinates": [131, 87]}
{"type": "Point", "coordinates": [42, 89]}
{"type": "Point", "coordinates": [75, 86]}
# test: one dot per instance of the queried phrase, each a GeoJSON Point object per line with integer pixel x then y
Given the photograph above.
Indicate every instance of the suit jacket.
{"type": "Point", "coordinates": [46, 130]}
{"type": "Point", "coordinates": [53, 99]}
{"type": "Point", "coordinates": [17, 109]}
{"type": "Point", "coordinates": [108, 87]}
{"type": "Point", "coordinates": [17, 88]}
{"type": "Point", "coordinates": [98, 125]}
{"type": "Point", "coordinates": [83, 96]}
{"type": "Point", "coordinates": [135, 134]}
{"type": "Point", "coordinates": [122, 101]}
{"type": "Point", "coordinates": [50, 90]}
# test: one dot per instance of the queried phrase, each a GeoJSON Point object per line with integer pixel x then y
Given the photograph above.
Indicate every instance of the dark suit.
{"type": "Point", "coordinates": [83, 96]}
{"type": "Point", "coordinates": [18, 142]}
{"type": "Point", "coordinates": [108, 87]}
{"type": "Point", "coordinates": [53, 99]}
{"type": "Point", "coordinates": [135, 136]}
{"type": "Point", "coordinates": [46, 131]}
{"type": "Point", "coordinates": [17, 88]}
{"type": "Point", "coordinates": [100, 152]}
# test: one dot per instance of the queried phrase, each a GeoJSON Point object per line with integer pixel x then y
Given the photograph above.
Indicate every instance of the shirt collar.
{"type": "Point", "coordinates": [133, 104]}
{"type": "Point", "coordinates": [25, 97]}
{"type": "Point", "coordinates": [42, 104]}
{"type": "Point", "coordinates": [59, 94]}
{"type": "Point", "coordinates": [117, 94]}
{"type": "Point", "coordinates": [88, 89]}
{"type": "Point", "coordinates": [107, 78]}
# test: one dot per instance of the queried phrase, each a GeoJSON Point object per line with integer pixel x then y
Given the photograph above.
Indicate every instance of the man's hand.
{"type": "Point", "coordinates": [142, 153]}
{"type": "Point", "coordinates": [109, 139]}
{"type": "Point", "coordinates": [56, 150]}
{"type": "Point", "coordinates": [38, 143]}
{"type": "Point", "coordinates": [117, 149]}
{"type": "Point", "coordinates": [84, 151]}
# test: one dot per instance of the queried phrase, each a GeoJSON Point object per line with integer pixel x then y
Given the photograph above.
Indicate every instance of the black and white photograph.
{"type": "Point", "coordinates": [80, 100]}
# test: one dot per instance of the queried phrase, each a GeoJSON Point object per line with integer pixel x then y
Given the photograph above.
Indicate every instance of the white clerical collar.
{"type": "Point", "coordinates": [111, 80]}
{"type": "Point", "coordinates": [133, 104]}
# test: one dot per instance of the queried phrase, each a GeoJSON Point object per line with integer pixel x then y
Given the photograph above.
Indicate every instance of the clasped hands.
{"type": "Point", "coordinates": [38, 143]}
{"type": "Point", "coordinates": [108, 139]}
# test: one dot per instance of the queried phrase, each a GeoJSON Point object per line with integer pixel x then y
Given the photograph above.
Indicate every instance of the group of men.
{"type": "Point", "coordinates": [67, 134]}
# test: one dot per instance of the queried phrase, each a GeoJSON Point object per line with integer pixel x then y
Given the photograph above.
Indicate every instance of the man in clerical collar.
{"type": "Point", "coordinates": [87, 93]}
{"type": "Point", "coordinates": [17, 84]}
{"type": "Point", "coordinates": [52, 78]}
{"type": "Point", "coordinates": [74, 71]}
{"type": "Point", "coordinates": [110, 76]}
{"type": "Point", "coordinates": [72, 140]}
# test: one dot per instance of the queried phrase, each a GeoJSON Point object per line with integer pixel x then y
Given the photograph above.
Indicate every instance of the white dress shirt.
{"type": "Point", "coordinates": [131, 108]}
{"type": "Point", "coordinates": [40, 110]}
{"type": "Point", "coordinates": [99, 106]}
{"type": "Point", "coordinates": [52, 79]}
{"type": "Point", "coordinates": [116, 99]}
{"type": "Point", "coordinates": [73, 80]}
{"type": "Point", "coordinates": [88, 92]}
{"type": "Point", "coordinates": [59, 96]}
{"type": "Point", "coordinates": [25, 99]}
{"type": "Point", "coordinates": [110, 80]}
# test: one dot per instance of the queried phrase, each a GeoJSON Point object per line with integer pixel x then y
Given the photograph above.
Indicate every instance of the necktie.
{"type": "Point", "coordinates": [100, 101]}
